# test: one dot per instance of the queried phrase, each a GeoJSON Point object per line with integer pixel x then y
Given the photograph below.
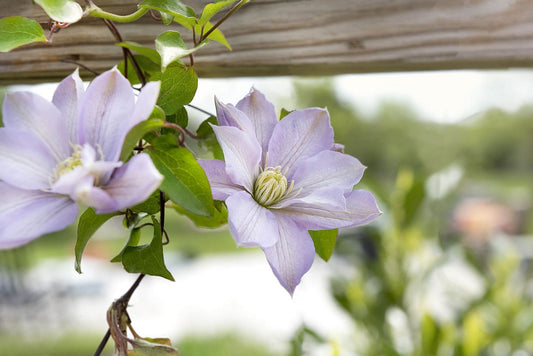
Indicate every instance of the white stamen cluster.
{"type": "Point", "coordinates": [271, 186]}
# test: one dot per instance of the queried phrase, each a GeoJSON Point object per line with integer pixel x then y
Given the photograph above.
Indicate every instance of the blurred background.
{"type": "Point", "coordinates": [446, 270]}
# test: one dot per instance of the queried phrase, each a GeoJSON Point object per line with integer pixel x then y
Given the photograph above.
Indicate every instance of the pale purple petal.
{"type": "Point", "coordinates": [132, 183]}
{"type": "Point", "coordinates": [67, 99]}
{"type": "Point", "coordinates": [221, 185]}
{"type": "Point", "coordinates": [28, 214]}
{"type": "Point", "coordinates": [105, 113]}
{"type": "Point", "coordinates": [68, 183]}
{"type": "Point", "coordinates": [330, 197]}
{"type": "Point", "coordinates": [293, 255]}
{"type": "Point", "coordinates": [145, 103]}
{"type": "Point", "coordinates": [242, 154]}
{"type": "Point", "coordinates": [24, 160]}
{"type": "Point", "coordinates": [228, 115]}
{"type": "Point", "coordinates": [325, 170]}
{"type": "Point", "coordinates": [32, 113]}
{"type": "Point", "coordinates": [300, 135]}
{"type": "Point", "coordinates": [250, 223]}
{"type": "Point", "coordinates": [261, 113]}
{"type": "Point", "coordinates": [95, 197]}
{"type": "Point", "coordinates": [361, 208]}
{"type": "Point", "coordinates": [101, 170]}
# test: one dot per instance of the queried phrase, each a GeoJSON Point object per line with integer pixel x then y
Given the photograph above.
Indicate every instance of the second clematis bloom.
{"type": "Point", "coordinates": [56, 155]}
{"type": "Point", "coordinates": [283, 178]}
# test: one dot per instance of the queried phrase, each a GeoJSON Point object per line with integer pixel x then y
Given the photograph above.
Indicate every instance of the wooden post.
{"type": "Point", "coordinates": [302, 37]}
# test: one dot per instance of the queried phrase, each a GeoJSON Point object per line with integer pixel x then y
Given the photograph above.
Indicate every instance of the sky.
{"type": "Point", "coordinates": [442, 96]}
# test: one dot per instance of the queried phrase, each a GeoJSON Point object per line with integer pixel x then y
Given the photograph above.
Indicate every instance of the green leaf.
{"type": "Point", "coordinates": [171, 47]}
{"type": "Point", "coordinates": [413, 201]}
{"type": "Point", "coordinates": [180, 118]}
{"type": "Point", "coordinates": [211, 10]}
{"type": "Point", "coordinates": [205, 128]}
{"type": "Point", "coordinates": [87, 226]}
{"type": "Point", "coordinates": [178, 86]}
{"type": "Point", "coordinates": [219, 218]}
{"type": "Point", "coordinates": [284, 112]}
{"type": "Point", "coordinates": [133, 240]}
{"type": "Point", "coordinates": [136, 133]}
{"type": "Point", "coordinates": [148, 52]}
{"type": "Point", "coordinates": [216, 35]}
{"type": "Point", "coordinates": [184, 181]}
{"type": "Point", "coordinates": [17, 31]}
{"type": "Point", "coordinates": [61, 10]}
{"type": "Point", "coordinates": [324, 241]}
{"type": "Point", "coordinates": [166, 18]}
{"type": "Point", "coordinates": [150, 206]}
{"type": "Point", "coordinates": [208, 139]}
{"type": "Point", "coordinates": [147, 258]}
{"type": "Point", "coordinates": [181, 13]}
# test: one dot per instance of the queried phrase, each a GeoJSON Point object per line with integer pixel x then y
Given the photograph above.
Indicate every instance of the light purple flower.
{"type": "Point", "coordinates": [55, 155]}
{"type": "Point", "coordinates": [283, 178]}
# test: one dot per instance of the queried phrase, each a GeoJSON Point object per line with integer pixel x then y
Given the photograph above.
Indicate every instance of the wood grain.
{"type": "Point", "coordinates": [302, 37]}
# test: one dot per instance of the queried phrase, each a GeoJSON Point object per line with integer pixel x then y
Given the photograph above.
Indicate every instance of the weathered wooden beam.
{"type": "Point", "coordinates": [303, 37]}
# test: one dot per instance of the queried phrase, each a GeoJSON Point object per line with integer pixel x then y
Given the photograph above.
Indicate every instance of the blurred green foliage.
{"type": "Point", "coordinates": [417, 287]}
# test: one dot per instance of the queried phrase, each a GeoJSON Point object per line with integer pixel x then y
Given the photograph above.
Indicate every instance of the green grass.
{"type": "Point", "coordinates": [78, 344]}
{"type": "Point", "coordinates": [222, 345]}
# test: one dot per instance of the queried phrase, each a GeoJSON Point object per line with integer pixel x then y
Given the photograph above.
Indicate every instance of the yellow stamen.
{"type": "Point", "coordinates": [70, 163]}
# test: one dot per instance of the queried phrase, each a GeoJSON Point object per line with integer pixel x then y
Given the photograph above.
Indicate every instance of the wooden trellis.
{"type": "Point", "coordinates": [302, 37]}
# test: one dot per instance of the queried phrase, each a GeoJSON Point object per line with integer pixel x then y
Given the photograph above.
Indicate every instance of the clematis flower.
{"type": "Point", "coordinates": [283, 178]}
{"type": "Point", "coordinates": [56, 155]}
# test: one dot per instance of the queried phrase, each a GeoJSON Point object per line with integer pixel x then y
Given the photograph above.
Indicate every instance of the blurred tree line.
{"type": "Point", "coordinates": [394, 137]}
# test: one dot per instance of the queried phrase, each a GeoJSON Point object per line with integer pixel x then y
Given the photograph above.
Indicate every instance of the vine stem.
{"type": "Point", "coordinates": [124, 300]}
{"type": "Point", "coordinates": [219, 22]}
{"type": "Point", "coordinates": [127, 53]}
{"type": "Point", "coordinates": [95, 11]}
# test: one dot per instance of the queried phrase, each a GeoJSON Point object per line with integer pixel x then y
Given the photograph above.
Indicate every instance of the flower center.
{"type": "Point", "coordinates": [271, 186]}
{"type": "Point", "coordinates": [70, 163]}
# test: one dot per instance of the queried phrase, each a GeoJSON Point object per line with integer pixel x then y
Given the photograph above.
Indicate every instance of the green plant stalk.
{"type": "Point", "coordinates": [95, 11]}
{"type": "Point", "coordinates": [231, 12]}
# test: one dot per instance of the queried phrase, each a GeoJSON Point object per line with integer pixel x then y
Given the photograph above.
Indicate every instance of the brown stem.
{"type": "Point", "coordinates": [80, 65]}
{"type": "Point", "coordinates": [127, 53]}
{"type": "Point", "coordinates": [122, 302]}
{"type": "Point", "coordinates": [178, 128]}
{"type": "Point", "coordinates": [219, 22]}
{"type": "Point", "coordinates": [200, 110]}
